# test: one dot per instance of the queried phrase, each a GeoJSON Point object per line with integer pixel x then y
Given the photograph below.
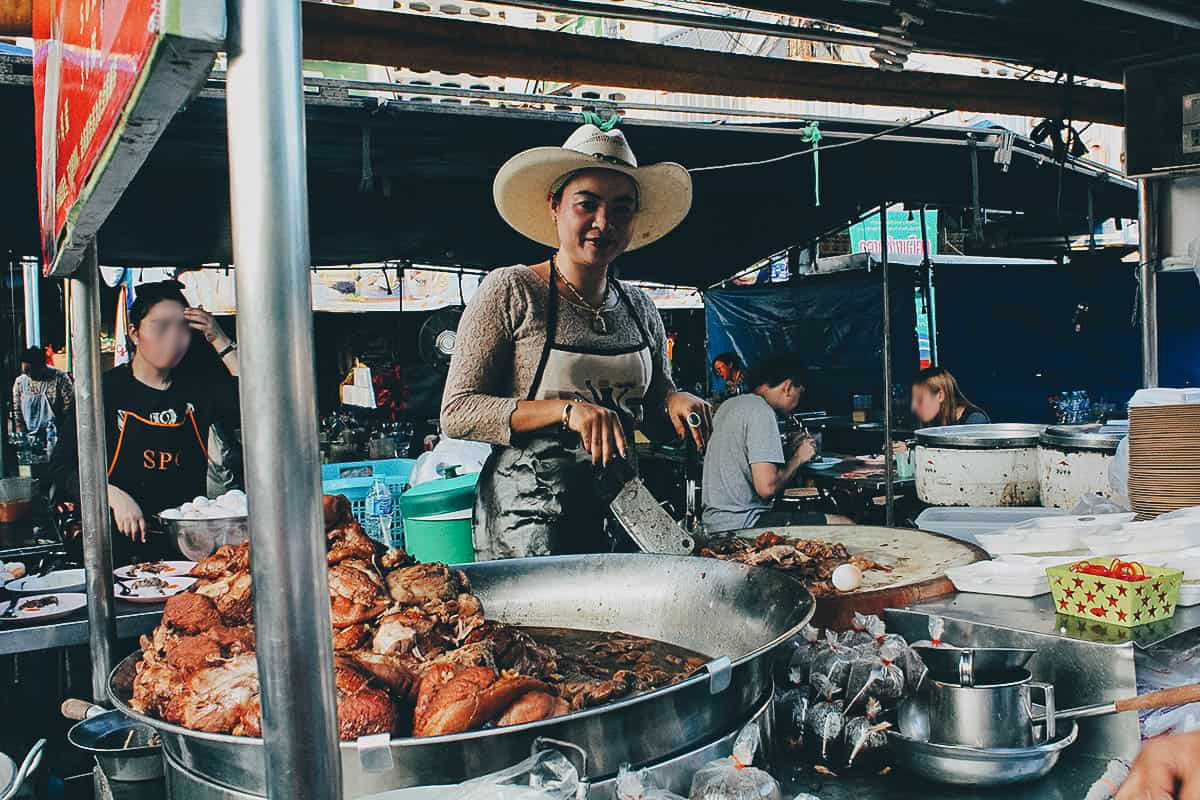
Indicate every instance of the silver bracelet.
{"type": "Point", "coordinates": [566, 416]}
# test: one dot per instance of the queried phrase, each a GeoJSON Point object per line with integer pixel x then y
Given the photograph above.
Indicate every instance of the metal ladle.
{"type": "Point", "coordinates": [913, 713]}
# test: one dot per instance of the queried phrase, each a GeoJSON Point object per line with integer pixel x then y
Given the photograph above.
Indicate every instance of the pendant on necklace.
{"type": "Point", "coordinates": [599, 325]}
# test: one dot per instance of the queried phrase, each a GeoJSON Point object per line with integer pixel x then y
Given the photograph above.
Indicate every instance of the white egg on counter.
{"type": "Point", "coordinates": [847, 578]}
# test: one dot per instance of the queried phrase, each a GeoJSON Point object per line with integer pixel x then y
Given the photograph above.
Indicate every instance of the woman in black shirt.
{"type": "Point", "coordinates": [157, 419]}
{"type": "Point", "coordinates": [937, 400]}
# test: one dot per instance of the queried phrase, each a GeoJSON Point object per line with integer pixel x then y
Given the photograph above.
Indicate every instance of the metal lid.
{"type": "Point", "coordinates": [1082, 437]}
{"type": "Point", "coordinates": [981, 437]}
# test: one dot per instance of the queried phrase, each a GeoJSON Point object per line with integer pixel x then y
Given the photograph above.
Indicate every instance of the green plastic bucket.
{"type": "Point", "coordinates": [437, 519]}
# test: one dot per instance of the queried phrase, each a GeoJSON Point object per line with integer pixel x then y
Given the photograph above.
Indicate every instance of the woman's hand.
{"type": "Point", "coordinates": [681, 406]}
{"type": "Point", "coordinates": [207, 324]}
{"type": "Point", "coordinates": [128, 514]}
{"type": "Point", "coordinates": [599, 429]}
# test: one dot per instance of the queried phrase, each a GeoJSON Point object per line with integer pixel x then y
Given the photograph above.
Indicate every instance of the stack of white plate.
{"type": "Point", "coordinates": [1164, 458]}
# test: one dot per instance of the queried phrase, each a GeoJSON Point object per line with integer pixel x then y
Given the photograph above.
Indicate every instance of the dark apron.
{"type": "Point", "coordinates": [160, 465]}
{"type": "Point", "coordinates": [538, 495]}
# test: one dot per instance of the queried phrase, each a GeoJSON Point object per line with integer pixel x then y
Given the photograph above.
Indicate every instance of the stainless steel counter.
{"type": "Point", "coordinates": [132, 621]}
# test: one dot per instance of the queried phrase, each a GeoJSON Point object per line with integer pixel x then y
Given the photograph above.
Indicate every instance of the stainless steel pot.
{"type": "Point", "coordinates": [198, 539]}
{"type": "Point", "coordinates": [123, 747]}
{"type": "Point", "coordinates": [975, 766]}
{"type": "Point", "coordinates": [992, 715]}
{"type": "Point", "coordinates": [971, 664]}
{"type": "Point", "coordinates": [731, 612]}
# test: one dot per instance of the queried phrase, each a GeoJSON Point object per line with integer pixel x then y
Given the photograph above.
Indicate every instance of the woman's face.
{"type": "Point", "coordinates": [926, 404]}
{"type": "Point", "coordinates": [595, 216]}
{"type": "Point", "coordinates": [164, 335]}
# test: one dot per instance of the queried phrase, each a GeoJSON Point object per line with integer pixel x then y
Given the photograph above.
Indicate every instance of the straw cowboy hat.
{"type": "Point", "coordinates": [526, 181]}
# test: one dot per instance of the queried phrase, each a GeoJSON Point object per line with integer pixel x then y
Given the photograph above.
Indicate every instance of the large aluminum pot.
{"type": "Point", "coordinates": [978, 465]}
{"type": "Point", "coordinates": [724, 610]}
{"type": "Point", "coordinates": [1073, 462]}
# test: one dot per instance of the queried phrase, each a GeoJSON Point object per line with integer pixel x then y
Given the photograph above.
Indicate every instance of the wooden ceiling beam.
{"type": "Point", "coordinates": [340, 33]}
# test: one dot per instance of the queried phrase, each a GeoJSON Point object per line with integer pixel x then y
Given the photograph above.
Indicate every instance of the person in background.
{"type": "Point", "coordinates": [744, 465]}
{"type": "Point", "coordinates": [42, 396]}
{"type": "Point", "coordinates": [157, 419]}
{"type": "Point", "coordinates": [1168, 767]}
{"type": "Point", "coordinates": [937, 400]}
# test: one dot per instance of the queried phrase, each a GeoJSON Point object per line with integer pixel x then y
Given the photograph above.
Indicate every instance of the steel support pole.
{"type": "Point", "coordinates": [93, 473]}
{"type": "Point", "coordinates": [33, 308]}
{"type": "Point", "coordinates": [1148, 258]}
{"type": "Point", "coordinates": [269, 203]}
{"type": "Point", "coordinates": [889, 460]}
{"type": "Point", "coordinates": [927, 269]}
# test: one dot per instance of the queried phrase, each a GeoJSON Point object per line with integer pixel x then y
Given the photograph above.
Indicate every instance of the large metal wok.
{"type": "Point", "coordinates": [733, 613]}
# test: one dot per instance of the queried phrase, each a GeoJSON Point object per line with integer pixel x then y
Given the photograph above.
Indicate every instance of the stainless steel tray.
{"type": "Point", "coordinates": [734, 613]}
{"type": "Point", "coordinates": [999, 436]}
{"type": "Point", "coordinates": [979, 766]}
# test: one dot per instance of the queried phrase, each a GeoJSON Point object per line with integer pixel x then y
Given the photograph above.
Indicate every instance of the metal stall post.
{"type": "Point", "coordinates": [33, 308]}
{"type": "Point", "coordinates": [888, 456]}
{"type": "Point", "coordinates": [93, 472]}
{"type": "Point", "coordinates": [269, 202]}
{"type": "Point", "coordinates": [927, 269]}
{"type": "Point", "coordinates": [1148, 257]}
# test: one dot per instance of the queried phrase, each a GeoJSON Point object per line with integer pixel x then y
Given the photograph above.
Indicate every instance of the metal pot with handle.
{"type": "Point", "coordinates": [126, 749]}
{"type": "Point", "coordinates": [12, 777]}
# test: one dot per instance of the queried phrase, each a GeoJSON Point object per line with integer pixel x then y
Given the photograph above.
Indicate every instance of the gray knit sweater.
{"type": "Point", "coordinates": [500, 341]}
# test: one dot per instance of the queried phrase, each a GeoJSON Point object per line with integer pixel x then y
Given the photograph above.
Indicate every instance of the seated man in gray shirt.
{"type": "Point", "coordinates": [744, 463]}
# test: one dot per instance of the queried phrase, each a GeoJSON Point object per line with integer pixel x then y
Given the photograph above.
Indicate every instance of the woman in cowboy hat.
{"type": "Point", "coordinates": [558, 362]}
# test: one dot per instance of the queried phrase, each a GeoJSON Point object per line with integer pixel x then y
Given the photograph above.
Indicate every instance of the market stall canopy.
{"type": "Point", "coordinates": [425, 192]}
{"type": "Point", "coordinates": [1093, 38]}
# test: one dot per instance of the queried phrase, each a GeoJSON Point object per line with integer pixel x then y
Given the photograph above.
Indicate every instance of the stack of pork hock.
{"type": "Point", "coordinates": [412, 651]}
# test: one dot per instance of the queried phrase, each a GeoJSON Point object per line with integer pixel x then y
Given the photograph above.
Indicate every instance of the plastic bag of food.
{"type": "Point", "coordinates": [912, 665]}
{"type": "Point", "coordinates": [805, 648]}
{"type": "Point", "coordinates": [734, 778]}
{"type": "Point", "coordinates": [791, 712]}
{"type": "Point", "coordinates": [865, 736]}
{"type": "Point", "coordinates": [825, 718]}
{"type": "Point", "coordinates": [640, 786]}
{"type": "Point", "coordinates": [831, 663]}
{"type": "Point", "coordinates": [859, 633]}
{"type": "Point", "coordinates": [879, 676]}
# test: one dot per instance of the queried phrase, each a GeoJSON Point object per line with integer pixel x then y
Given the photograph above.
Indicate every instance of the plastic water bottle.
{"type": "Point", "coordinates": [379, 512]}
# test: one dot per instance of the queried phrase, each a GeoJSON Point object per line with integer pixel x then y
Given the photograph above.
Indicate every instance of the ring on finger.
{"type": "Point", "coordinates": [694, 420]}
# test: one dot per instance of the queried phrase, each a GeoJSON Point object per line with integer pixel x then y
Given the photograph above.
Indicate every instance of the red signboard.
{"type": "Point", "coordinates": [88, 57]}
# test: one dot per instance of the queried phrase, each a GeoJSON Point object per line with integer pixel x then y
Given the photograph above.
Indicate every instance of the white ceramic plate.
{"type": "Point", "coordinates": [173, 569]}
{"type": "Point", "coordinates": [63, 580]}
{"type": "Point", "coordinates": [147, 594]}
{"type": "Point", "coordinates": [68, 603]}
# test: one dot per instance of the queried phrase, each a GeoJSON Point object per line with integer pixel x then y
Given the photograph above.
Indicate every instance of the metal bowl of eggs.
{"type": "Point", "coordinates": [198, 528]}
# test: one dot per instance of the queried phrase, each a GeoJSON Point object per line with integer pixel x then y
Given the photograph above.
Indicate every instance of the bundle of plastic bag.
{"type": "Point", "coordinates": [734, 778]}
{"type": "Point", "coordinates": [548, 775]}
{"type": "Point", "coordinates": [826, 719]}
{"type": "Point", "coordinates": [865, 735]}
{"type": "Point", "coordinates": [878, 675]}
{"type": "Point", "coordinates": [640, 786]}
{"type": "Point", "coordinates": [905, 657]}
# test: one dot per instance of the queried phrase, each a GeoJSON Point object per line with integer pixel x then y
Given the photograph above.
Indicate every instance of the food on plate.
{"type": "Point", "coordinates": [151, 582]}
{"type": "Point", "coordinates": [413, 650]}
{"type": "Point", "coordinates": [814, 561]}
{"type": "Point", "coordinates": [38, 603]}
{"type": "Point", "coordinates": [151, 568]}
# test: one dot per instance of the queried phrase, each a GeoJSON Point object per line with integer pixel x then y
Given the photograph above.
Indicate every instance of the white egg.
{"type": "Point", "coordinates": [847, 578]}
{"type": "Point", "coordinates": [171, 513]}
{"type": "Point", "coordinates": [235, 494]}
{"type": "Point", "coordinates": [200, 501]}
{"type": "Point", "coordinates": [186, 508]}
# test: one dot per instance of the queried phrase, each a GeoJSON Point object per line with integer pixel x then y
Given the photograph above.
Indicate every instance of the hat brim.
{"type": "Point", "coordinates": [522, 190]}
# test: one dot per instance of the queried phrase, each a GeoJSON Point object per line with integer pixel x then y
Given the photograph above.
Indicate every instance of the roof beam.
{"type": "Point", "coordinates": [339, 33]}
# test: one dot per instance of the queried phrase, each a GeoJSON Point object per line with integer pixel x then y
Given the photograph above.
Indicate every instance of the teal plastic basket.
{"type": "Point", "coordinates": [354, 480]}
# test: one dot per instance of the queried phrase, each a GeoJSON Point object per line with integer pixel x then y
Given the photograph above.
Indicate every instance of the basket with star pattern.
{"type": "Point", "coordinates": [1123, 601]}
